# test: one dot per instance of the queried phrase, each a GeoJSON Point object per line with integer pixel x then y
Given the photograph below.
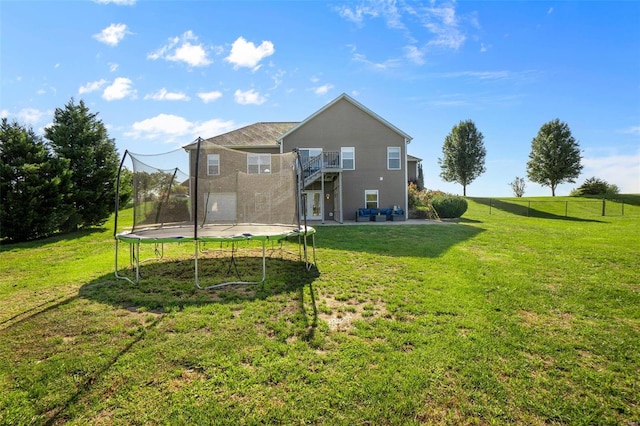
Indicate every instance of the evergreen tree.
{"type": "Point", "coordinates": [464, 155]}
{"type": "Point", "coordinates": [33, 185]}
{"type": "Point", "coordinates": [554, 157]}
{"type": "Point", "coordinates": [78, 136]}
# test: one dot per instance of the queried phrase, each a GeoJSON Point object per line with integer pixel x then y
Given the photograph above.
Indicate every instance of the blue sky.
{"type": "Point", "coordinates": [162, 73]}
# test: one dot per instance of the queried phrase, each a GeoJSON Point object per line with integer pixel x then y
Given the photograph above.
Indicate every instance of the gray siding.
{"type": "Point", "coordinates": [343, 124]}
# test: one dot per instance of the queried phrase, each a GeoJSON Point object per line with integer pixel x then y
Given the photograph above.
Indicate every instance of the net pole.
{"type": "Point", "coordinates": [117, 200]}
{"type": "Point", "coordinates": [195, 208]}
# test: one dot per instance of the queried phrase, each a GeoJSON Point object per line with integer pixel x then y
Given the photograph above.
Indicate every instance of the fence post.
{"type": "Point", "coordinates": [623, 208]}
{"type": "Point", "coordinates": [566, 209]}
{"type": "Point", "coordinates": [528, 207]}
{"type": "Point", "coordinates": [604, 204]}
{"type": "Point", "coordinates": [490, 202]}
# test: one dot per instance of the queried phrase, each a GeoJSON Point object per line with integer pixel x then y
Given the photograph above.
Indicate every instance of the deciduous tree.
{"type": "Point", "coordinates": [463, 155]}
{"type": "Point", "coordinates": [517, 186]}
{"type": "Point", "coordinates": [555, 156]}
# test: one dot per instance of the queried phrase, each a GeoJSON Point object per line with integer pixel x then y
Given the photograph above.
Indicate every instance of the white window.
{"type": "Point", "coordinates": [393, 158]}
{"type": "Point", "coordinates": [348, 158]}
{"type": "Point", "coordinates": [213, 164]}
{"type": "Point", "coordinates": [371, 198]}
{"type": "Point", "coordinates": [258, 163]}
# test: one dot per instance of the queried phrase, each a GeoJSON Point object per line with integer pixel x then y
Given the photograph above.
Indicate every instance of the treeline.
{"type": "Point", "coordinates": [61, 182]}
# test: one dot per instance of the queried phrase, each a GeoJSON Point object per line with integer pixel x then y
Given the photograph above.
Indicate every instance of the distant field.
{"type": "Point", "coordinates": [516, 314]}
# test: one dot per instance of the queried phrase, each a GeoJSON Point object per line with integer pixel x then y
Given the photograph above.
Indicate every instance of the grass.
{"type": "Point", "coordinates": [497, 319]}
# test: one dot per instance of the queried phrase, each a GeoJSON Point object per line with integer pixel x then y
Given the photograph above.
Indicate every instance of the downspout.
{"type": "Point", "coordinates": [406, 181]}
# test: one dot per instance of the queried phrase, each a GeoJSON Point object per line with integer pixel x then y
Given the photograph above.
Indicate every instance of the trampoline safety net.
{"type": "Point", "coordinates": [220, 186]}
{"type": "Point", "coordinates": [205, 192]}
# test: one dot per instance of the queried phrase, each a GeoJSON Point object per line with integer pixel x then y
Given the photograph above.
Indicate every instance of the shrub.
{"type": "Point", "coordinates": [449, 206]}
{"type": "Point", "coordinates": [595, 186]}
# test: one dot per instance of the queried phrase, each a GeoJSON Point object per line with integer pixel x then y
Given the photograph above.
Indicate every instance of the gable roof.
{"type": "Point", "coordinates": [265, 134]}
{"type": "Point", "coordinates": [413, 158]}
{"type": "Point", "coordinates": [356, 104]}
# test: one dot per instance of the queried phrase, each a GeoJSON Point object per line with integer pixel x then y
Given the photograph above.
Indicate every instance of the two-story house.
{"type": "Point", "coordinates": [350, 158]}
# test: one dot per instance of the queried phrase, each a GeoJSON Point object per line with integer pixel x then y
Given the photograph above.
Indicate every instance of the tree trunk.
{"type": "Point", "coordinates": [464, 190]}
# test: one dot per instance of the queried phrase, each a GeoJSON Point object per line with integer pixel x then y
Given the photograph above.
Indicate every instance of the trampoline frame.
{"type": "Point", "coordinates": [134, 238]}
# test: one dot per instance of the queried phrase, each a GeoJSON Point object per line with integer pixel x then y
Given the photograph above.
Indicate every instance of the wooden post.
{"type": "Point", "coordinates": [604, 204]}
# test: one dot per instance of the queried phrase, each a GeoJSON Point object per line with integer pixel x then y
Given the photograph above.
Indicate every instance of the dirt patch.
{"type": "Point", "coordinates": [341, 314]}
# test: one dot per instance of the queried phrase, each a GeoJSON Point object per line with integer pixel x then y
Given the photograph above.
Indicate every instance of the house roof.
{"type": "Point", "coordinates": [413, 158]}
{"type": "Point", "coordinates": [355, 103]}
{"type": "Point", "coordinates": [265, 134]}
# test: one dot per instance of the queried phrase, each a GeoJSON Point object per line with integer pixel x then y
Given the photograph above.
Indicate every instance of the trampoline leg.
{"type": "Point", "coordinates": [122, 277]}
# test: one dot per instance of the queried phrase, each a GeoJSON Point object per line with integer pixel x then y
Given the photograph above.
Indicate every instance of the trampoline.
{"type": "Point", "coordinates": [237, 196]}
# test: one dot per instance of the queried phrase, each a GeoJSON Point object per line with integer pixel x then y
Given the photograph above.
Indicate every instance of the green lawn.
{"type": "Point", "coordinates": [501, 318]}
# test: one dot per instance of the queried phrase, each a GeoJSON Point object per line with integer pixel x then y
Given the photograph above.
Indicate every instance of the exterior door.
{"type": "Point", "coordinates": [221, 207]}
{"type": "Point", "coordinates": [314, 205]}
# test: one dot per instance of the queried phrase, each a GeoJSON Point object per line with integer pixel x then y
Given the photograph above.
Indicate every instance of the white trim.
{"type": "Point", "coordinates": [356, 104]}
{"type": "Point", "coordinates": [389, 148]}
{"type": "Point", "coordinates": [217, 163]}
{"type": "Point", "coordinates": [372, 191]}
{"type": "Point", "coordinates": [353, 151]}
{"type": "Point", "coordinates": [259, 163]}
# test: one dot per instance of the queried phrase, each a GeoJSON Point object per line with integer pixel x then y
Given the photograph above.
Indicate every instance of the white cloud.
{"type": "Point", "coordinates": [92, 86]}
{"type": "Point", "coordinates": [162, 124]}
{"type": "Point", "coordinates": [118, 2]}
{"type": "Point", "coordinates": [169, 128]}
{"type": "Point", "coordinates": [29, 116]}
{"type": "Point", "coordinates": [616, 169]}
{"type": "Point", "coordinates": [359, 13]}
{"type": "Point", "coordinates": [4, 113]}
{"type": "Point", "coordinates": [249, 97]}
{"type": "Point", "coordinates": [323, 90]}
{"type": "Point", "coordinates": [442, 22]}
{"type": "Point", "coordinates": [414, 54]}
{"type": "Point", "coordinates": [439, 19]}
{"type": "Point", "coordinates": [119, 89]}
{"type": "Point", "coordinates": [633, 130]}
{"type": "Point", "coordinates": [164, 95]}
{"type": "Point", "coordinates": [245, 54]}
{"type": "Point", "coordinates": [376, 66]}
{"type": "Point", "coordinates": [181, 49]}
{"type": "Point", "coordinates": [481, 75]}
{"type": "Point", "coordinates": [212, 96]}
{"type": "Point", "coordinates": [213, 127]}
{"type": "Point", "coordinates": [112, 35]}
{"type": "Point", "coordinates": [550, 11]}
{"type": "Point", "coordinates": [384, 9]}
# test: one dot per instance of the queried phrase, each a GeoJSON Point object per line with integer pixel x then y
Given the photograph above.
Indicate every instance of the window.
{"type": "Point", "coordinates": [258, 163]}
{"type": "Point", "coordinates": [371, 198]}
{"type": "Point", "coordinates": [348, 158]}
{"type": "Point", "coordinates": [393, 158]}
{"type": "Point", "coordinates": [307, 154]}
{"type": "Point", "coordinates": [213, 164]}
